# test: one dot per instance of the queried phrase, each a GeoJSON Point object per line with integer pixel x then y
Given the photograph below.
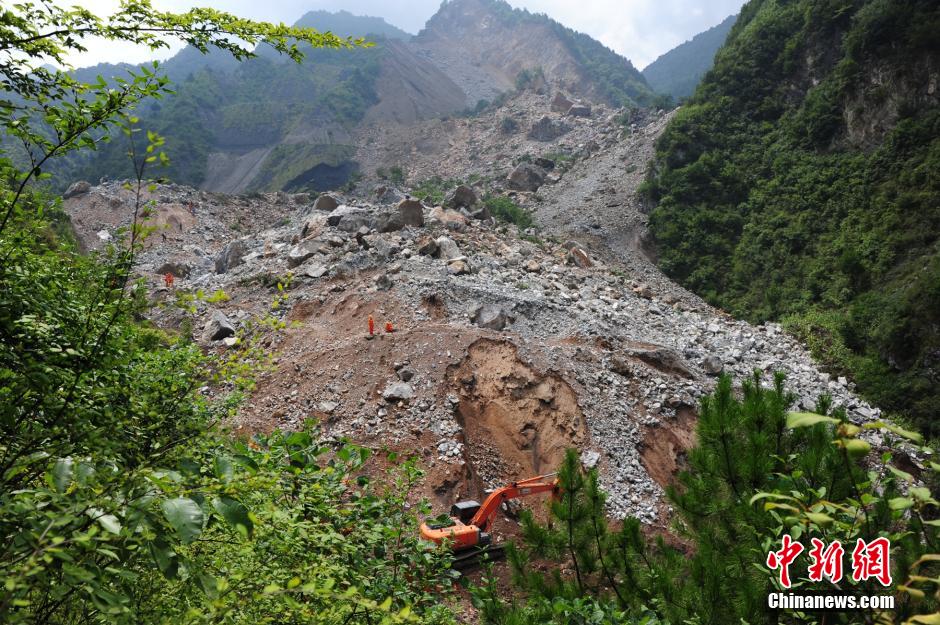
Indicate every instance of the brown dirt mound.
{"type": "Point", "coordinates": [665, 446]}
{"type": "Point", "coordinates": [517, 421]}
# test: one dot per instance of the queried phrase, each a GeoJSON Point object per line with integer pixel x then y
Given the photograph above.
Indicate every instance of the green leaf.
{"type": "Point", "coordinates": [926, 619]}
{"type": "Point", "coordinates": [235, 514]}
{"type": "Point", "coordinates": [62, 474]}
{"type": "Point", "coordinates": [807, 419]}
{"type": "Point", "coordinates": [854, 446]}
{"type": "Point", "coordinates": [760, 496]}
{"type": "Point", "coordinates": [908, 434]}
{"type": "Point", "coordinates": [819, 518]}
{"type": "Point", "coordinates": [920, 493]}
{"type": "Point", "coordinates": [165, 558]}
{"type": "Point", "coordinates": [224, 468]}
{"type": "Point", "coordinates": [900, 503]}
{"type": "Point", "coordinates": [185, 516]}
{"type": "Point", "coordinates": [907, 477]}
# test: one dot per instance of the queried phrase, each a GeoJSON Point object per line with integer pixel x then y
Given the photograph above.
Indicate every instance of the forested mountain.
{"type": "Point", "coordinates": [270, 124]}
{"type": "Point", "coordinates": [679, 71]}
{"type": "Point", "coordinates": [802, 184]}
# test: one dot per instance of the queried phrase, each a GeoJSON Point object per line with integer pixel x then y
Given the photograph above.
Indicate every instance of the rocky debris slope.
{"type": "Point", "coordinates": [503, 349]}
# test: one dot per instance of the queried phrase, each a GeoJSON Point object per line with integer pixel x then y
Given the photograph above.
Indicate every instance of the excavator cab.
{"type": "Point", "coordinates": [464, 511]}
{"type": "Point", "coordinates": [469, 521]}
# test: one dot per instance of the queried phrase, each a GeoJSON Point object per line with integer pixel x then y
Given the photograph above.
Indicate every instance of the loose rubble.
{"type": "Point", "coordinates": [567, 330]}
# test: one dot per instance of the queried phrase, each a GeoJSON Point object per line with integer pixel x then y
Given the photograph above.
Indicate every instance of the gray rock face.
{"type": "Point", "coordinates": [545, 163]}
{"type": "Point", "coordinates": [447, 248]}
{"type": "Point", "coordinates": [411, 212]}
{"type": "Point", "coordinates": [303, 251]}
{"type": "Point", "coordinates": [427, 246]}
{"type": "Point", "coordinates": [398, 391]}
{"type": "Point", "coordinates": [713, 365]}
{"type": "Point", "coordinates": [387, 195]}
{"type": "Point", "coordinates": [350, 218]}
{"type": "Point", "coordinates": [326, 202]}
{"type": "Point", "coordinates": [462, 197]}
{"type": "Point", "coordinates": [218, 327]}
{"type": "Point", "coordinates": [589, 459]}
{"type": "Point", "coordinates": [177, 269]}
{"type": "Point", "coordinates": [579, 257]}
{"type": "Point", "coordinates": [492, 317]}
{"type": "Point", "coordinates": [560, 103]}
{"type": "Point", "coordinates": [458, 266]}
{"type": "Point", "coordinates": [389, 221]}
{"type": "Point", "coordinates": [231, 256]}
{"type": "Point", "coordinates": [579, 110]}
{"type": "Point", "coordinates": [548, 129]}
{"type": "Point", "coordinates": [526, 177]}
{"type": "Point", "coordinates": [77, 188]}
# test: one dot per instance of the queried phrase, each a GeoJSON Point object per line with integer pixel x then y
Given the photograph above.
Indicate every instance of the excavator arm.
{"type": "Point", "coordinates": [539, 484]}
{"type": "Point", "coordinates": [464, 532]}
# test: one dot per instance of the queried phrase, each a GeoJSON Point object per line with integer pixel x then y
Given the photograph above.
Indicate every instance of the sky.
{"type": "Point", "coordinates": [640, 30]}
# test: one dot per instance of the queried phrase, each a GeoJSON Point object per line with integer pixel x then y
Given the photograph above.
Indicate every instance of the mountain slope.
{"type": "Point", "coordinates": [679, 71]}
{"type": "Point", "coordinates": [270, 124]}
{"type": "Point", "coordinates": [801, 184]}
{"type": "Point", "coordinates": [486, 44]}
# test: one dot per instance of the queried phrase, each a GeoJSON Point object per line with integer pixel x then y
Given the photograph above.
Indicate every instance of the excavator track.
{"type": "Point", "coordinates": [472, 558]}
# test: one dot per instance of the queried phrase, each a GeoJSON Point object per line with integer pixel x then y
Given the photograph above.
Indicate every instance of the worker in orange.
{"type": "Point", "coordinates": [371, 326]}
{"type": "Point", "coordinates": [168, 280]}
{"type": "Point", "coordinates": [388, 327]}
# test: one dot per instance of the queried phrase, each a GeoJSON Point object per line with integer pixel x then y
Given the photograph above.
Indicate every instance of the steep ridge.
{"type": "Point", "coordinates": [679, 71]}
{"type": "Point", "coordinates": [486, 45]}
{"type": "Point", "coordinates": [270, 124]}
{"type": "Point", "coordinates": [795, 186]}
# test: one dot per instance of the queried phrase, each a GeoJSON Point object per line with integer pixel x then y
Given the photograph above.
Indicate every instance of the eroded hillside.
{"type": "Point", "coordinates": [507, 346]}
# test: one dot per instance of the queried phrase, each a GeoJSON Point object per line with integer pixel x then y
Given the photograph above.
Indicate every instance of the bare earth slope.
{"type": "Point", "coordinates": [506, 349]}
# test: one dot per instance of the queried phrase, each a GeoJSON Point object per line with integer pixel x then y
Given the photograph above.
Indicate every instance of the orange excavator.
{"type": "Point", "coordinates": [465, 530]}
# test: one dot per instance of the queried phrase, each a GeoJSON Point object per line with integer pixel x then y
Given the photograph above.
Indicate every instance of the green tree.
{"type": "Point", "coordinates": [756, 473]}
{"type": "Point", "coordinates": [121, 501]}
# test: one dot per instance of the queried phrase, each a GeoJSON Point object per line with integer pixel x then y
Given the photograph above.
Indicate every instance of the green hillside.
{"type": "Point", "coordinates": [803, 184]}
{"type": "Point", "coordinates": [679, 71]}
{"type": "Point", "coordinates": [213, 109]}
{"type": "Point", "coordinates": [221, 104]}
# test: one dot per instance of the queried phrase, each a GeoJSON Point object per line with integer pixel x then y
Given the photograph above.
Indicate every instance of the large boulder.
{"type": "Point", "coordinates": [462, 197]}
{"type": "Point", "coordinates": [326, 203]}
{"type": "Point", "coordinates": [303, 251]}
{"type": "Point", "coordinates": [176, 268]}
{"type": "Point", "coordinates": [492, 317]}
{"type": "Point", "coordinates": [218, 327]}
{"type": "Point", "coordinates": [526, 177]}
{"type": "Point", "coordinates": [450, 219]}
{"type": "Point", "coordinates": [231, 256]}
{"type": "Point", "coordinates": [713, 366]}
{"type": "Point", "coordinates": [313, 226]}
{"type": "Point", "coordinates": [387, 195]}
{"type": "Point", "coordinates": [350, 218]}
{"type": "Point", "coordinates": [411, 212]}
{"type": "Point", "coordinates": [447, 248]}
{"type": "Point", "coordinates": [560, 103]}
{"type": "Point", "coordinates": [388, 221]}
{"type": "Point", "coordinates": [577, 256]}
{"type": "Point", "coordinates": [77, 188]}
{"type": "Point", "coordinates": [398, 391]}
{"type": "Point", "coordinates": [579, 110]}
{"type": "Point", "coordinates": [548, 129]}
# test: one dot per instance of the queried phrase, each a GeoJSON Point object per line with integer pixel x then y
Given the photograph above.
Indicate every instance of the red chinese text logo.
{"type": "Point", "coordinates": [871, 560]}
